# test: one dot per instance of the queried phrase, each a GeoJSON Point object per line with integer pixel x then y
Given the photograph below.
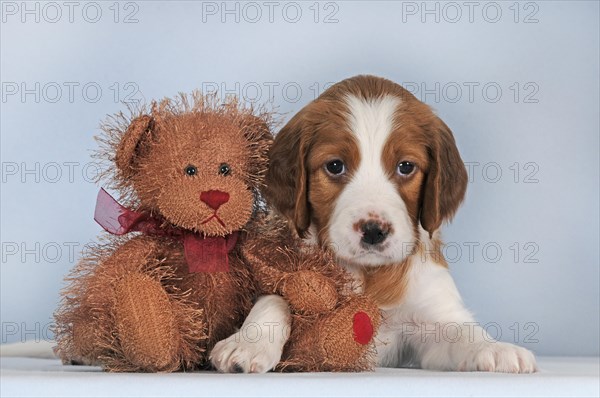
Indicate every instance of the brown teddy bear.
{"type": "Point", "coordinates": [205, 248]}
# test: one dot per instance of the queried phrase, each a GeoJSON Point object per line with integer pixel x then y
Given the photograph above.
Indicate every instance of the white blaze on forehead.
{"type": "Point", "coordinates": [371, 122]}
{"type": "Point", "coordinates": [370, 190]}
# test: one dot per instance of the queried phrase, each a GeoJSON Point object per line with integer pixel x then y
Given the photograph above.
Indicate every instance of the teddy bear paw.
{"type": "Point", "coordinates": [310, 293]}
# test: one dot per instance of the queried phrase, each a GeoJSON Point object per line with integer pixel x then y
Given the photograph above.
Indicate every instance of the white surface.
{"type": "Point", "coordinates": [558, 376]}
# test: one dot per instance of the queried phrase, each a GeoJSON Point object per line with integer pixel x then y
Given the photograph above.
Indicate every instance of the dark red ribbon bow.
{"type": "Point", "coordinates": [202, 253]}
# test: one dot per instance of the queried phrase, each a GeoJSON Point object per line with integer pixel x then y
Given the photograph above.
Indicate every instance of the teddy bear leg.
{"type": "Point", "coordinates": [84, 342]}
{"type": "Point", "coordinates": [339, 341]}
{"type": "Point", "coordinates": [145, 323]}
{"type": "Point", "coordinates": [123, 310]}
{"type": "Point", "coordinates": [76, 337]}
{"type": "Point", "coordinates": [81, 322]}
{"type": "Point", "coordinates": [155, 331]}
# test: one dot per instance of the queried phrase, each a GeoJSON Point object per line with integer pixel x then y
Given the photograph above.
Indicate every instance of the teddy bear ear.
{"type": "Point", "coordinates": [258, 133]}
{"type": "Point", "coordinates": [133, 144]}
{"type": "Point", "coordinates": [256, 128]}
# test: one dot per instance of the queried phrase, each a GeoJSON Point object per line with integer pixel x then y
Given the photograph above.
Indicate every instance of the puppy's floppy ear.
{"type": "Point", "coordinates": [132, 144]}
{"type": "Point", "coordinates": [287, 177]}
{"type": "Point", "coordinates": [446, 180]}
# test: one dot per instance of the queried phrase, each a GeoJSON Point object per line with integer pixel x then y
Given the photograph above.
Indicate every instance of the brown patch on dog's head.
{"type": "Point", "coordinates": [193, 160]}
{"type": "Point", "coordinates": [296, 179]}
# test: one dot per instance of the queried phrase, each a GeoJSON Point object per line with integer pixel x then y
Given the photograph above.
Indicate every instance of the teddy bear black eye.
{"type": "Point", "coordinates": [191, 170]}
{"type": "Point", "coordinates": [224, 169]}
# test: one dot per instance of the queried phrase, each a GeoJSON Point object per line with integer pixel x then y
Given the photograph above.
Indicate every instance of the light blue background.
{"type": "Point", "coordinates": [176, 47]}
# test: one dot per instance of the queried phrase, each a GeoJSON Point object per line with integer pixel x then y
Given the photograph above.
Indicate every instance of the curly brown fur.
{"type": "Point", "coordinates": [131, 303]}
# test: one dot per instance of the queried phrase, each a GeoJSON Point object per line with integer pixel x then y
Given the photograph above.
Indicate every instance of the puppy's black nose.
{"type": "Point", "coordinates": [372, 233]}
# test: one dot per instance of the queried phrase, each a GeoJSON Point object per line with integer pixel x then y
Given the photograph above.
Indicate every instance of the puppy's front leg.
{"type": "Point", "coordinates": [446, 337]}
{"type": "Point", "coordinates": [469, 348]}
{"type": "Point", "coordinates": [258, 345]}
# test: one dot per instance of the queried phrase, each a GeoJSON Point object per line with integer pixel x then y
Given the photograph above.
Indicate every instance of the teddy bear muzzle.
{"type": "Point", "coordinates": [214, 199]}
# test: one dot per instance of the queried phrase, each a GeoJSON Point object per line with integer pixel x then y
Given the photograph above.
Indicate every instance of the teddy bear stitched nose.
{"type": "Point", "coordinates": [214, 199]}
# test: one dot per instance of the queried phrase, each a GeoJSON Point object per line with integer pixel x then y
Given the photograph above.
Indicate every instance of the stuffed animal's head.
{"type": "Point", "coordinates": [194, 161]}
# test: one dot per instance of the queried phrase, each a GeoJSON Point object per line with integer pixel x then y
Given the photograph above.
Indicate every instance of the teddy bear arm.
{"type": "Point", "coordinates": [135, 254]}
{"type": "Point", "coordinates": [268, 278]}
{"type": "Point", "coordinates": [293, 275]}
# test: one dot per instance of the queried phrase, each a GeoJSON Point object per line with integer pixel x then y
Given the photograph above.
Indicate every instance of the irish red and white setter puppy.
{"type": "Point", "coordinates": [369, 171]}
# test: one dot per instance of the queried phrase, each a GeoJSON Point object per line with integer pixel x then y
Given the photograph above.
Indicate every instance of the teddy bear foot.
{"type": "Point", "coordinates": [146, 326]}
{"type": "Point", "coordinates": [341, 341]}
{"type": "Point", "coordinates": [86, 349]}
{"type": "Point", "coordinates": [347, 334]}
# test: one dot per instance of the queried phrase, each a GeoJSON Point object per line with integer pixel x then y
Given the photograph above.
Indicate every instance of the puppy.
{"type": "Point", "coordinates": [370, 172]}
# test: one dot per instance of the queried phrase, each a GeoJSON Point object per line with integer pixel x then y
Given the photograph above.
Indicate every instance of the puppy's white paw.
{"type": "Point", "coordinates": [236, 355]}
{"type": "Point", "coordinates": [258, 346]}
{"type": "Point", "coordinates": [499, 357]}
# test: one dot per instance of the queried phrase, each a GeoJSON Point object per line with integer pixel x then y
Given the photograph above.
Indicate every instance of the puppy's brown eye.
{"type": "Point", "coordinates": [224, 169]}
{"type": "Point", "coordinates": [335, 167]}
{"type": "Point", "coordinates": [405, 168]}
{"type": "Point", "coordinates": [191, 170]}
